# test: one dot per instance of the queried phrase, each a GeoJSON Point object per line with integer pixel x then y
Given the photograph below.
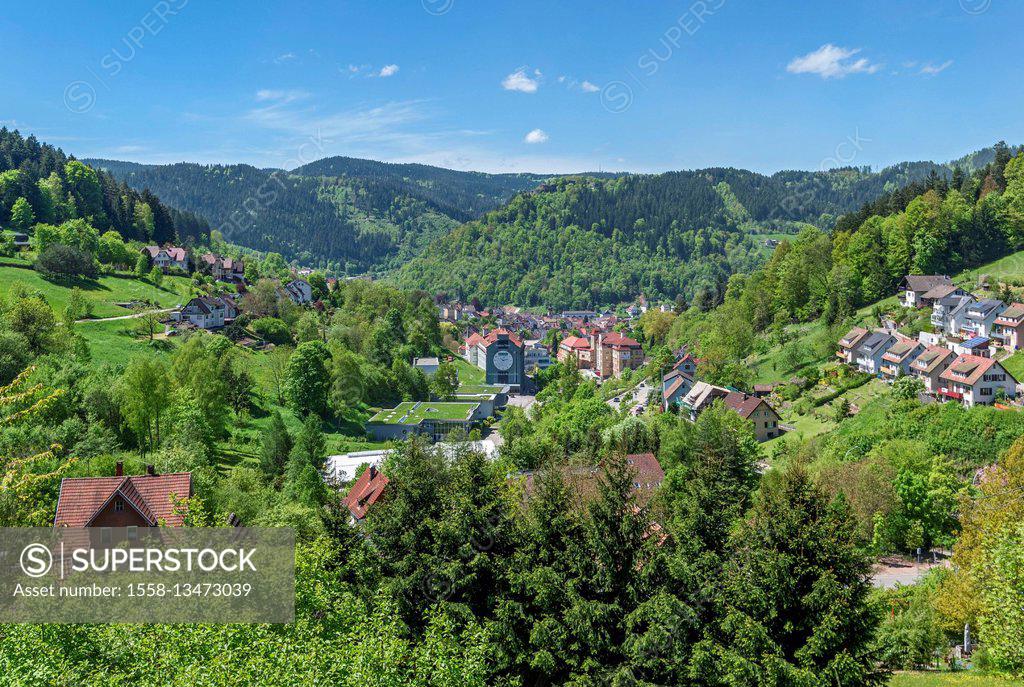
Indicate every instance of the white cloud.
{"type": "Point", "coordinates": [589, 87]}
{"type": "Point", "coordinates": [284, 57]}
{"type": "Point", "coordinates": [388, 70]}
{"type": "Point", "coordinates": [831, 61]}
{"type": "Point", "coordinates": [520, 81]}
{"type": "Point", "coordinates": [279, 96]}
{"type": "Point", "coordinates": [536, 136]}
{"type": "Point", "coordinates": [930, 69]}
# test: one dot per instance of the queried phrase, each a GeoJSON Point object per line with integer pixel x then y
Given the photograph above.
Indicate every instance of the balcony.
{"type": "Point", "coordinates": [949, 393]}
{"type": "Point", "coordinates": [938, 320]}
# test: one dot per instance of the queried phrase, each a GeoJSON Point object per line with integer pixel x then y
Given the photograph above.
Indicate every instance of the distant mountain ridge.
{"type": "Point", "coordinates": [352, 215]}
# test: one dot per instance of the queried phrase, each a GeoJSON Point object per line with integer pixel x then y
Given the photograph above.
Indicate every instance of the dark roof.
{"type": "Point", "coordinates": [1014, 311]}
{"type": "Point", "coordinates": [874, 340]}
{"type": "Point", "coordinates": [975, 342]}
{"type": "Point", "coordinates": [932, 357]}
{"type": "Point", "coordinates": [924, 282]}
{"type": "Point", "coordinates": [82, 498]}
{"type": "Point", "coordinates": [744, 404]}
{"type": "Point", "coordinates": [985, 307]}
{"type": "Point", "coordinates": [940, 291]}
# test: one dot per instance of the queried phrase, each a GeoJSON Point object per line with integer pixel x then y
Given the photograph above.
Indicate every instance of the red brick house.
{"type": "Point", "coordinates": [122, 501]}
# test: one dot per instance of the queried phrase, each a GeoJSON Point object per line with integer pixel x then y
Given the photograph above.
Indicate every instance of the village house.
{"type": "Point", "coordinates": [167, 258]}
{"type": "Point", "coordinates": [614, 353]}
{"type": "Point", "coordinates": [208, 312]}
{"type": "Point", "coordinates": [937, 293]}
{"type": "Point", "coordinates": [932, 362]}
{"type": "Point", "coordinates": [1008, 328]}
{"type": "Point", "coordinates": [871, 350]}
{"type": "Point", "coordinates": [949, 313]}
{"type": "Point", "coordinates": [764, 418]}
{"type": "Point", "coordinates": [427, 366]}
{"type": "Point", "coordinates": [123, 501]}
{"type": "Point", "coordinates": [299, 291]}
{"type": "Point", "coordinates": [848, 345]}
{"type": "Point", "coordinates": [368, 490]}
{"type": "Point", "coordinates": [576, 348]}
{"type": "Point", "coordinates": [674, 387]}
{"type": "Point", "coordinates": [678, 381]}
{"type": "Point", "coordinates": [221, 268]}
{"type": "Point", "coordinates": [974, 380]}
{"type": "Point", "coordinates": [537, 355]}
{"type": "Point", "coordinates": [979, 346]}
{"type": "Point", "coordinates": [981, 316]}
{"type": "Point", "coordinates": [896, 361]}
{"type": "Point", "coordinates": [915, 286]}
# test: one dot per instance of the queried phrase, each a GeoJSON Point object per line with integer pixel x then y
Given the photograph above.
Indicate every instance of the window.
{"type": "Point", "coordinates": [133, 532]}
{"type": "Point", "coordinates": [118, 506]}
{"type": "Point", "coordinates": [986, 391]}
{"type": "Point", "coordinates": [105, 535]}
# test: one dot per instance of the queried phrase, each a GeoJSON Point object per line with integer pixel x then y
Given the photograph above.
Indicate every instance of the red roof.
{"type": "Point", "coordinates": [365, 492]}
{"type": "Point", "coordinates": [742, 403]}
{"type": "Point", "coordinates": [584, 480]}
{"type": "Point", "coordinates": [617, 339]}
{"type": "Point", "coordinates": [575, 342]}
{"type": "Point", "coordinates": [82, 498]}
{"type": "Point", "coordinates": [473, 339]}
{"type": "Point", "coordinates": [493, 336]}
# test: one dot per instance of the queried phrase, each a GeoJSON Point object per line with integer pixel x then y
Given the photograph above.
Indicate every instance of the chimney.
{"type": "Point", "coordinates": [150, 470]}
{"type": "Point", "coordinates": [118, 469]}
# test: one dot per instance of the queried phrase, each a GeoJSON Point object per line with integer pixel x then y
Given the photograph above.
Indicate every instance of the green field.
{"type": "Point", "coordinates": [945, 679]}
{"type": "Point", "coordinates": [117, 341]}
{"type": "Point", "coordinates": [102, 293]}
{"type": "Point", "coordinates": [413, 413]}
{"type": "Point", "coordinates": [821, 419]}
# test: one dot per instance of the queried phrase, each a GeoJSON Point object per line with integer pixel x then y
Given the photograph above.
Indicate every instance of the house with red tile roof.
{"type": "Point", "coordinates": [896, 361]}
{"type": "Point", "coordinates": [500, 354]}
{"type": "Point", "coordinates": [848, 345]}
{"type": "Point", "coordinates": [367, 490]}
{"type": "Point", "coordinates": [576, 348]}
{"type": "Point", "coordinates": [1008, 329]}
{"type": "Point", "coordinates": [221, 268]}
{"type": "Point", "coordinates": [614, 353]}
{"type": "Point", "coordinates": [167, 257]}
{"type": "Point", "coordinates": [122, 500]}
{"type": "Point", "coordinates": [931, 363]}
{"type": "Point", "coordinates": [757, 410]}
{"type": "Point", "coordinates": [974, 380]}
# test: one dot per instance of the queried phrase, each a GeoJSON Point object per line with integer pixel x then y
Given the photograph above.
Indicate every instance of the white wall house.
{"type": "Point", "coordinates": [973, 380]}
{"type": "Point", "coordinates": [871, 350]}
{"type": "Point", "coordinates": [949, 314]}
{"type": "Point", "coordinates": [981, 317]}
{"type": "Point", "coordinates": [299, 291]}
{"type": "Point", "coordinates": [207, 312]}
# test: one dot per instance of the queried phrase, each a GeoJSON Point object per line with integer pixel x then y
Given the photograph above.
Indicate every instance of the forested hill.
{"type": "Point", "coordinates": [50, 187]}
{"type": "Point", "coordinates": [345, 214]}
{"type": "Point", "coordinates": [462, 195]}
{"type": "Point", "coordinates": [586, 242]}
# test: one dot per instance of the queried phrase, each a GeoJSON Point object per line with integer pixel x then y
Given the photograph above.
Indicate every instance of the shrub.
{"type": "Point", "coordinates": [272, 329]}
{"type": "Point", "coordinates": [64, 261]}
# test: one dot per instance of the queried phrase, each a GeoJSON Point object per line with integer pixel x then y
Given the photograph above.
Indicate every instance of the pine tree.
{"type": "Point", "coordinates": [277, 445]}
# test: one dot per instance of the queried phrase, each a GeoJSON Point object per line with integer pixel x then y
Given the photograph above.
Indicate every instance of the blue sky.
{"type": "Point", "coordinates": [524, 86]}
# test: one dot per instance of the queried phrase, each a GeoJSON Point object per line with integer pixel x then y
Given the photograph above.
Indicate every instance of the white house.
{"type": "Point", "coordinates": [537, 355]}
{"type": "Point", "coordinates": [207, 312]}
{"type": "Point", "coordinates": [299, 291]}
{"type": "Point", "coordinates": [167, 257]}
{"type": "Point", "coordinates": [427, 365]}
{"type": "Point", "coordinates": [915, 286]}
{"type": "Point", "coordinates": [949, 313]}
{"type": "Point", "coordinates": [981, 317]}
{"type": "Point", "coordinates": [871, 350]}
{"type": "Point", "coordinates": [974, 380]}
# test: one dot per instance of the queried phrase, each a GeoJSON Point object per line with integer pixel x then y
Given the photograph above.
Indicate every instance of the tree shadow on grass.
{"type": "Point", "coordinates": [83, 283]}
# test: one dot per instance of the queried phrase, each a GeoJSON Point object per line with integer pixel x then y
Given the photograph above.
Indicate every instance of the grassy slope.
{"type": "Point", "coordinates": [103, 292]}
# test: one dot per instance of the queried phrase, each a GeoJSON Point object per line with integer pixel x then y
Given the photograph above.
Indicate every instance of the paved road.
{"type": "Point", "coordinates": [888, 574]}
{"type": "Point", "coordinates": [124, 317]}
{"type": "Point", "coordinates": [638, 396]}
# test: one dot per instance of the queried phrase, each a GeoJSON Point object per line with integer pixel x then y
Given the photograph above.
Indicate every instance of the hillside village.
{"type": "Point", "coordinates": [418, 441]}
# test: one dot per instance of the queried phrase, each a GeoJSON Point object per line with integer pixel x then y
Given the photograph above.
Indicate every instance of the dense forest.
{"type": "Point", "coordinates": [582, 242]}
{"type": "Point", "coordinates": [348, 216]}
{"type": "Point", "coordinates": [55, 188]}
{"type": "Point", "coordinates": [461, 195]}
{"type": "Point", "coordinates": [352, 216]}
